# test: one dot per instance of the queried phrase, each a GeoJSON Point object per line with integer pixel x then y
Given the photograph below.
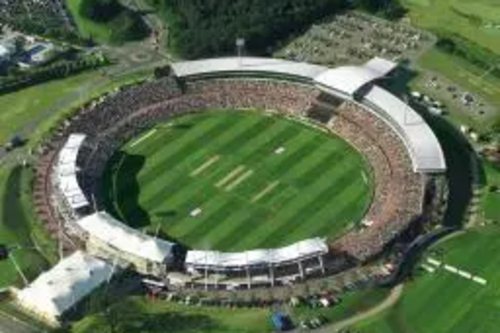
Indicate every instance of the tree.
{"type": "Point", "coordinates": [200, 28]}
{"type": "Point", "coordinates": [100, 10]}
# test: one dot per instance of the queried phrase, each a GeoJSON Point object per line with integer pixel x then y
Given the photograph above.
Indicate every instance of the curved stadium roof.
{"type": "Point", "coordinates": [247, 65]}
{"type": "Point", "coordinates": [106, 228]}
{"type": "Point", "coordinates": [422, 145]}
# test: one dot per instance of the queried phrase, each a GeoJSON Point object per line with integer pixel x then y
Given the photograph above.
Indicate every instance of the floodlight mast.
{"type": "Point", "coordinates": [240, 45]}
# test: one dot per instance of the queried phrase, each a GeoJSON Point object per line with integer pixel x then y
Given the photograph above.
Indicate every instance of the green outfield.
{"type": "Point", "coordinates": [233, 180]}
{"type": "Point", "coordinates": [443, 301]}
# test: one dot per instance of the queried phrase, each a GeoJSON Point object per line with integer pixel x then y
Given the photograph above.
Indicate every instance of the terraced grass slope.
{"type": "Point", "coordinates": [444, 301]}
{"type": "Point", "coordinates": [235, 180]}
{"type": "Point", "coordinates": [476, 20]}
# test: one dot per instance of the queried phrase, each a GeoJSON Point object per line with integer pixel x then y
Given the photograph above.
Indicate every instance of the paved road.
{"type": "Point", "coordinates": [393, 297]}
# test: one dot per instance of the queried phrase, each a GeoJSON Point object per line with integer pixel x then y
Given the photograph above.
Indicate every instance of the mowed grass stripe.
{"type": "Point", "coordinates": [236, 233]}
{"type": "Point", "coordinates": [169, 135]}
{"type": "Point", "coordinates": [233, 219]}
{"type": "Point", "coordinates": [210, 211]}
{"type": "Point", "coordinates": [288, 224]}
{"type": "Point", "coordinates": [300, 147]}
{"type": "Point", "coordinates": [199, 234]}
{"type": "Point", "coordinates": [262, 140]}
{"type": "Point", "coordinates": [334, 217]}
{"type": "Point", "coordinates": [257, 161]}
{"type": "Point", "coordinates": [172, 155]}
{"type": "Point", "coordinates": [246, 156]}
{"type": "Point", "coordinates": [302, 164]}
{"type": "Point", "coordinates": [150, 190]}
{"type": "Point", "coordinates": [229, 220]}
{"type": "Point", "coordinates": [328, 180]}
{"type": "Point", "coordinates": [225, 166]}
{"type": "Point", "coordinates": [203, 184]}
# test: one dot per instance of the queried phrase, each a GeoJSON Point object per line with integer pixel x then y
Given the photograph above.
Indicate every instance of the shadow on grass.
{"type": "Point", "coordinates": [14, 218]}
{"type": "Point", "coordinates": [464, 170]}
{"type": "Point", "coordinates": [16, 222]}
{"type": "Point", "coordinates": [121, 189]}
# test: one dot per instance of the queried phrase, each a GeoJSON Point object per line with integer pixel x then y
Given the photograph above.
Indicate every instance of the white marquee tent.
{"type": "Point", "coordinates": [56, 291]}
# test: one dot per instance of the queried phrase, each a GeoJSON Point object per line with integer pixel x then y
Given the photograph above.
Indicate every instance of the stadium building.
{"type": "Point", "coordinates": [402, 150]}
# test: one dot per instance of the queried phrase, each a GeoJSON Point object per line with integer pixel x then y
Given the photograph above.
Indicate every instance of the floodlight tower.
{"type": "Point", "coordinates": [240, 45]}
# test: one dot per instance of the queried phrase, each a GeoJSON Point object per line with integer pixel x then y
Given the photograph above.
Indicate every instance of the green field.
{"type": "Point", "coordinates": [19, 108]}
{"type": "Point", "coordinates": [125, 26]}
{"type": "Point", "coordinates": [18, 227]}
{"type": "Point", "coordinates": [225, 163]}
{"type": "Point", "coordinates": [138, 314]}
{"type": "Point", "coordinates": [468, 18]}
{"type": "Point", "coordinates": [443, 302]}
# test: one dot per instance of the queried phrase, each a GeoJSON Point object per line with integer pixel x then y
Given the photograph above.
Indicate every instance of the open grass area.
{"type": "Point", "coordinates": [137, 314]}
{"type": "Point", "coordinates": [475, 20]}
{"type": "Point", "coordinates": [464, 73]}
{"type": "Point", "coordinates": [19, 108]}
{"type": "Point", "coordinates": [18, 227]}
{"type": "Point", "coordinates": [233, 180]}
{"type": "Point", "coordinates": [443, 301]}
{"type": "Point", "coordinates": [37, 109]}
{"type": "Point", "coordinates": [126, 26]}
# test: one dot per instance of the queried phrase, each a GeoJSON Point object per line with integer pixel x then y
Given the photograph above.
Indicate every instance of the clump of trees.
{"type": "Point", "coordinates": [57, 70]}
{"type": "Point", "coordinates": [100, 10]}
{"type": "Point", "coordinates": [390, 9]}
{"type": "Point", "coordinates": [199, 28]}
{"type": "Point", "coordinates": [124, 23]}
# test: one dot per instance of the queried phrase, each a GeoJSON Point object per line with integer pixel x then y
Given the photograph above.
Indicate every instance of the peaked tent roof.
{"type": "Point", "coordinates": [63, 286]}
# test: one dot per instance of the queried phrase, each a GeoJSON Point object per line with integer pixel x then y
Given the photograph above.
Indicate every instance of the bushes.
{"type": "Point", "coordinates": [390, 9]}
{"type": "Point", "coordinates": [107, 21]}
{"type": "Point", "coordinates": [100, 10]}
{"type": "Point", "coordinates": [57, 70]}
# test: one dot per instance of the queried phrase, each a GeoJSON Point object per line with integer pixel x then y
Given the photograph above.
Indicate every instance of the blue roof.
{"type": "Point", "coordinates": [36, 49]}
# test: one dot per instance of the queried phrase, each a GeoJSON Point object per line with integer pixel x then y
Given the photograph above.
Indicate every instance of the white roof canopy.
{"type": "Point", "coordinates": [66, 170]}
{"type": "Point", "coordinates": [346, 80]}
{"type": "Point", "coordinates": [300, 250]}
{"type": "Point", "coordinates": [247, 64]}
{"type": "Point", "coordinates": [106, 228]}
{"type": "Point", "coordinates": [383, 66]}
{"type": "Point", "coordinates": [421, 142]}
{"type": "Point", "coordinates": [349, 79]}
{"type": "Point", "coordinates": [62, 287]}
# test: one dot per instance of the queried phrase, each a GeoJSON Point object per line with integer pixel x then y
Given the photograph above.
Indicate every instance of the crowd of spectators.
{"type": "Point", "coordinates": [399, 192]}
{"type": "Point", "coordinates": [127, 113]}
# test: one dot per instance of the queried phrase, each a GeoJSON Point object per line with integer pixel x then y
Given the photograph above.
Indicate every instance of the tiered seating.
{"type": "Point", "coordinates": [120, 117]}
{"type": "Point", "coordinates": [398, 192]}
